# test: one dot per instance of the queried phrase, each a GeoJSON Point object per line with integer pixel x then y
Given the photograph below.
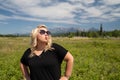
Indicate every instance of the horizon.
{"type": "Point", "coordinates": [21, 16]}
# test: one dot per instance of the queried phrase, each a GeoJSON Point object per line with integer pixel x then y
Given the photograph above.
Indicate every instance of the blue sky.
{"type": "Point", "coordinates": [21, 16]}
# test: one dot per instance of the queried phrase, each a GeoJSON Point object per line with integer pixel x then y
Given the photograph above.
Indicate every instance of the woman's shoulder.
{"type": "Point", "coordinates": [55, 45]}
{"type": "Point", "coordinates": [27, 51]}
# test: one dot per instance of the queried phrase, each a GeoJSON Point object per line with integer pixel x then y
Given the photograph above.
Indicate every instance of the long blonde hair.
{"type": "Point", "coordinates": [33, 43]}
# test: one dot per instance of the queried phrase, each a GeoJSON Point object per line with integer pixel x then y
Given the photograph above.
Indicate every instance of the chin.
{"type": "Point", "coordinates": [45, 41]}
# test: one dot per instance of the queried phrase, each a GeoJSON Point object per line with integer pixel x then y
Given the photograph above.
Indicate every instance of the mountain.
{"type": "Point", "coordinates": [64, 30]}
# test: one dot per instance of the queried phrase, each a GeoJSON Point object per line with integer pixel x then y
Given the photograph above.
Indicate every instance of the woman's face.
{"type": "Point", "coordinates": [43, 35]}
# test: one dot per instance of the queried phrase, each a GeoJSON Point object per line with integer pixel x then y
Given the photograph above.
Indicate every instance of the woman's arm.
{"type": "Point", "coordinates": [69, 65]}
{"type": "Point", "coordinates": [25, 71]}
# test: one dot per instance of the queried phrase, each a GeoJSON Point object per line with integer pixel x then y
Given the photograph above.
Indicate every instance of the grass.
{"type": "Point", "coordinates": [94, 59]}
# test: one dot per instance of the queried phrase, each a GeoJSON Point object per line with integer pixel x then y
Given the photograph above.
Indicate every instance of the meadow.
{"type": "Point", "coordinates": [94, 58]}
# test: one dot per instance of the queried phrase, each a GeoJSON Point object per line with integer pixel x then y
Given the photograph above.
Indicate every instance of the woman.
{"type": "Point", "coordinates": [42, 61]}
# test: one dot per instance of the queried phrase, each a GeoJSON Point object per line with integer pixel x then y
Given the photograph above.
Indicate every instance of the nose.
{"type": "Point", "coordinates": [46, 34]}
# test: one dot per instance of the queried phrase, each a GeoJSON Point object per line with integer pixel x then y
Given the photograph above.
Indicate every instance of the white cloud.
{"type": "Point", "coordinates": [51, 12]}
{"type": "Point", "coordinates": [84, 21]}
{"type": "Point", "coordinates": [117, 10]}
{"type": "Point", "coordinates": [59, 12]}
{"type": "Point", "coordinates": [34, 8]}
{"type": "Point", "coordinates": [15, 17]}
{"type": "Point", "coordinates": [88, 1]}
{"type": "Point", "coordinates": [3, 17]}
{"type": "Point", "coordinates": [25, 3]}
{"type": "Point", "coordinates": [82, 1]}
{"type": "Point", "coordinates": [116, 14]}
{"type": "Point", "coordinates": [93, 12]}
{"type": "Point", "coordinates": [111, 2]}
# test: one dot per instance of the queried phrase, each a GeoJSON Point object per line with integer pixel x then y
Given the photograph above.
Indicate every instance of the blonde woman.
{"type": "Point", "coordinates": [42, 61]}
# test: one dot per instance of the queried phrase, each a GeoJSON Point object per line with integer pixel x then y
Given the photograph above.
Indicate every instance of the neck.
{"type": "Point", "coordinates": [41, 46]}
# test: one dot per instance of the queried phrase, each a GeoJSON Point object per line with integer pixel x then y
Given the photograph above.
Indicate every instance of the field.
{"type": "Point", "coordinates": [94, 59]}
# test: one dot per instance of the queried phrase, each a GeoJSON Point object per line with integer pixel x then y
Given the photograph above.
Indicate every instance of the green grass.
{"type": "Point", "coordinates": [94, 59]}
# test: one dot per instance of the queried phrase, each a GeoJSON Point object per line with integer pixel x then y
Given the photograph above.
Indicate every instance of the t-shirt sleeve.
{"type": "Point", "coordinates": [24, 58]}
{"type": "Point", "coordinates": [60, 51]}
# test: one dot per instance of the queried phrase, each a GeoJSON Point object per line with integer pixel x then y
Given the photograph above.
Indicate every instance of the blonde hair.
{"type": "Point", "coordinates": [33, 43]}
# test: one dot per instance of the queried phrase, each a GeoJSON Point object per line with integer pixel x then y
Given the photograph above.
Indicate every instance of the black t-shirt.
{"type": "Point", "coordinates": [47, 66]}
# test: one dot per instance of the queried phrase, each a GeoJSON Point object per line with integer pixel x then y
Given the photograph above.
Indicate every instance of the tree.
{"type": "Point", "coordinates": [101, 30]}
{"type": "Point", "coordinates": [116, 33]}
{"type": "Point", "coordinates": [70, 35]}
{"type": "Point", "coordinates": [77, 33]}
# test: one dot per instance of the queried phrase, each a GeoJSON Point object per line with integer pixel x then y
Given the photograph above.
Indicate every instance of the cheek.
{"type": "Point", "coordinates": [40, 37]}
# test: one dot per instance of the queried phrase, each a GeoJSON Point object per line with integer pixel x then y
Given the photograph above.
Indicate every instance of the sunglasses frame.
{"type": "Point", "coordinates": [43, 32]}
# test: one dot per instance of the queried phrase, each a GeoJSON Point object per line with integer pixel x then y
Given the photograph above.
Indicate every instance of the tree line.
{"type": "Point", "coordinates": [14, 35]}
{"type": "Point", "coordinates": [91, 33]}
{"type": "Point", "coordinates": [95, 34]}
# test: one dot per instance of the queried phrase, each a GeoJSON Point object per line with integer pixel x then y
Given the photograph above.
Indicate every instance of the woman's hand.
{"type": "Point", "coordinates": [63, 78]}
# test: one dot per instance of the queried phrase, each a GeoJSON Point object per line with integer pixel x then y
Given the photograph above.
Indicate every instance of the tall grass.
{"type": "Point", "coordinates": [94, 59]}
{"type": "Point", "coordinates": [11, 50]}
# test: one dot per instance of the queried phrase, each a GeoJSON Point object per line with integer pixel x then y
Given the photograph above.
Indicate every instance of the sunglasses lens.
{"type": "Point", "coordinates": [43, 32]}
{"type": "Point", "coordinates": [48, 32]}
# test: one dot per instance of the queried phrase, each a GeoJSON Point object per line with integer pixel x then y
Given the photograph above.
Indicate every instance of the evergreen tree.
{"type": "Point", "coordinates": [101, 30]}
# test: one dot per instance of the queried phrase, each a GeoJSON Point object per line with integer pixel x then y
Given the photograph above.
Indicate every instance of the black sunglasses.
{"type": "Point", "coordinates": [43, 32]}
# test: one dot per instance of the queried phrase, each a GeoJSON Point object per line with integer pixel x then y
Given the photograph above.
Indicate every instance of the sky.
{"type": "Point", "coordinates": [21, 16]}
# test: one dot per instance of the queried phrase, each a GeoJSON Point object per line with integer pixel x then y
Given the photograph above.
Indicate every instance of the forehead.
{"type": "Point", "coordinates": [43, 29]}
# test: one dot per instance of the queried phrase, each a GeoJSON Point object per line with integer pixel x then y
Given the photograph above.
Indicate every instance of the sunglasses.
{"type": "Point", "coordinates": [43, 32]}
